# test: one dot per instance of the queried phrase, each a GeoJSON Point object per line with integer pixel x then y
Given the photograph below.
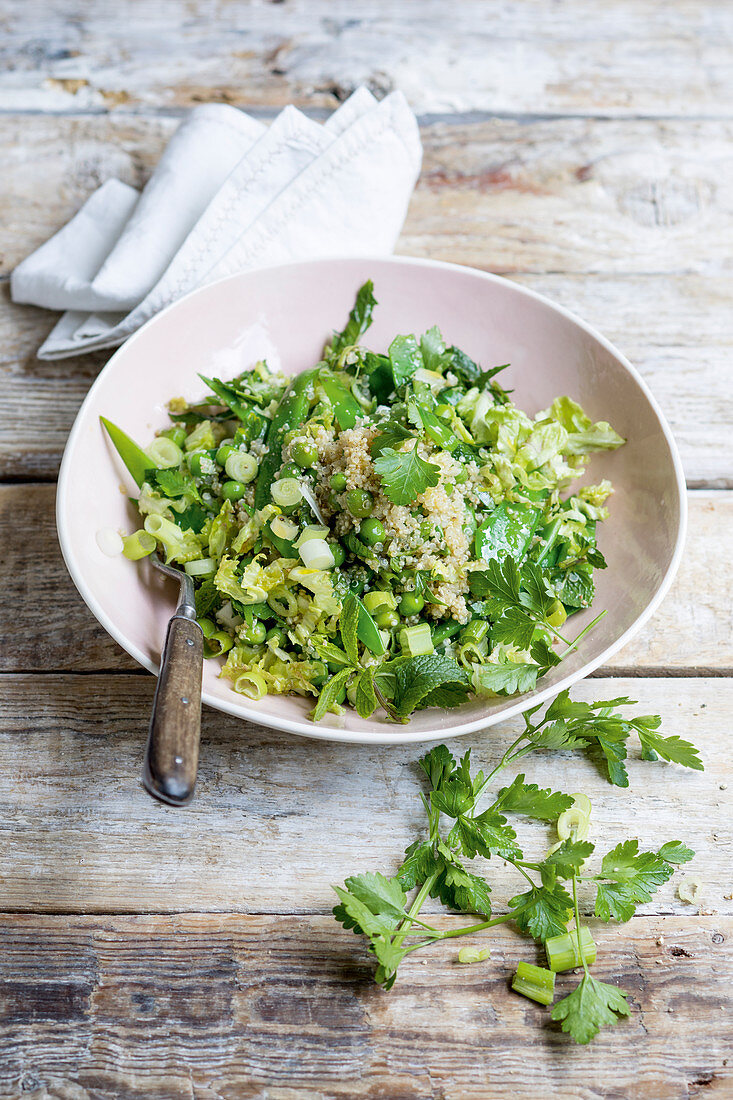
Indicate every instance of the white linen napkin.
{"type": "Point", "coordinates": [228, 194]}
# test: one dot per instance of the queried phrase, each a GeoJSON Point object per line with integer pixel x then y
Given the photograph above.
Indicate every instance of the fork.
{"type": "Point", "coordinates": [172, 751]}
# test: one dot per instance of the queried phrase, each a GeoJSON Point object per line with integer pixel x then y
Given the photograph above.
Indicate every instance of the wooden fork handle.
{"type": "Point", "coordinates": [172, 753]}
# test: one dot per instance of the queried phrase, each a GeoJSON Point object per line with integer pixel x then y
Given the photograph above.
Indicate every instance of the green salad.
{"type": "Point", "coordinates": [384, 530]}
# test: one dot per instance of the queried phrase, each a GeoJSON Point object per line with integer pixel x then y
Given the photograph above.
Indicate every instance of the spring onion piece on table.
{"type": "Point", "coordinates": [393, 517]}
{"type": "Point", "coordinates": [534, 982]}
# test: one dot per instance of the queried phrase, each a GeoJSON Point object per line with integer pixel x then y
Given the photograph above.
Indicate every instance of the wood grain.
{"type": "Point", "coordinates": [224, 1007]}
{"type": "Point", "coordinates": [44, 625]}
{"type": "Point", "coordinates": [277, 819]}
{"type": "Point", "coordinates": [606, 207]}
{"type": "Point", "coordinates": [624, 57]}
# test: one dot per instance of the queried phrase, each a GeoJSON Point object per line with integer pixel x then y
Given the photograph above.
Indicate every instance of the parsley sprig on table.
{"type": "Point", "coordinates": [377, 907]}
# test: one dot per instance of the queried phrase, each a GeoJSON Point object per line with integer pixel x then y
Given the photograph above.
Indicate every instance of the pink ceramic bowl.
{"type": "Point", "coordinates": [284, 314]}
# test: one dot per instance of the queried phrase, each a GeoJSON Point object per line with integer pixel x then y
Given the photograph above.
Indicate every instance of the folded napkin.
{"type": "Point", "coordinates": [228, 194]}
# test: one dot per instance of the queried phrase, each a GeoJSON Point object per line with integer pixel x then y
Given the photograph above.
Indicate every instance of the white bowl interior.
{"type": "Point", "coordinates": [284, 315]}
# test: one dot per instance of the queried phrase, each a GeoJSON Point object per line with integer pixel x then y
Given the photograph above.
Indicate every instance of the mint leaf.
{"type": "Point", "coordinates": [348, 626]}
{"type": "Point", "coordinates": [329, 694]}
{"type": "Point", "coordinates": [405, 475]}
{"type": "Point", "coordinates": [548, 910]}
{"type": "Point", "coordinates": [417, 677]}
{"type": "Point", "coordinates": [532, 801]}
{"type": "Point", "coordinates": [365, 700]}
{"type": "Point", "coordinates": [591, 1006]}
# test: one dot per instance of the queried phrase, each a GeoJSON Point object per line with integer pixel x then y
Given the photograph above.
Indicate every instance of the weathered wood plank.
{"type": "Point", "coordinates": [500, 196]}
{"type": "Point", "coordinates": [45, 626]}
{"type": "Point", "coordinates": [622, 58]}
{"type": "Point", "coordinates": [277, 819]}
{"type": "Point", "coordinates": [557, 195]}
{"type": "Point", "coordinates": [218, 1007]}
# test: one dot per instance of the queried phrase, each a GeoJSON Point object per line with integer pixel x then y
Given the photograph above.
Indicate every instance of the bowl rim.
{"type": "Point", "coordinates": [400, 735]}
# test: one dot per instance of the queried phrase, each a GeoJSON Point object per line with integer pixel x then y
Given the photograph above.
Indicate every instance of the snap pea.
{"type": "Point", "coordinates": [134, 457]}
{"type": "Point", "coordinates": [290, 413]}
{"type": "Point", "coordinates": [367, 631]}
{"type": "Point", "coordinates": [445, 630]}
{"type": "Point", "coordinates": [346, 408]}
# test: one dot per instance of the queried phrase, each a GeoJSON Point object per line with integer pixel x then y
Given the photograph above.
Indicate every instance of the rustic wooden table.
{"type": "Point", "coordinates": [582, 149]}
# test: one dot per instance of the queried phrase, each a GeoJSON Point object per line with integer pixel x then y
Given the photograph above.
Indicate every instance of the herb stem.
{"type": "Point", "coordinates": [581, 954]}
{"type": "Point", "coordinates": [414, 909]}
{"type": "Point", "coordinates": [453, 932]}
{"type": "Point", "coordinates": [584, 631]}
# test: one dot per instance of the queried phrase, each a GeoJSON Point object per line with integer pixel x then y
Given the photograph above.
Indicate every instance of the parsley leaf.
{"type": "Point", "coordinates": [438, 764]}
{"type": "Point", "coordinates": [175, 484]}
{"type": "Point", "coordinates": [405, 475]}
{"type": "Point", "coordinates": [569, 857]}
{"type": "Point", "coordinates": [634, 876]}
{"type": "Point", "coordinates": [674, 851]}
{"type": "Point", "coordinates": [434, 353]}
{"type": "Point", "coordinates": [420, 862]}
{"type": "Point", "coordinates": [532, 801]}
{"type": "Point", "coordinates": [505, 679]}
{"type": "Point", "coordinates": [391, 434]}
{"type": "Point", "coordinates": [462, 890]}
{"type": "Point", "coordinates": [591, 1006]}
{"type": "Point", "coordinates": [192, 518]}
{"type": "Point", "coordinates": [486, 834]}
{"type": "Point", "coordinates": [545, 910]}
{"type": "Point", "coordinates": [405, 358]}
{"type": "Point", "coordinates": [514, 627]}
{"type": "Point", "coordinates": [672, 748]}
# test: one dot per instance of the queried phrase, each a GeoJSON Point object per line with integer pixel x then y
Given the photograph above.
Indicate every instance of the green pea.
{"type": "Point", "coordinates": [339, 554]}
{"type": "Point", "coordinates": [233, 490]}
{"type": "Point", "coordinates": [372, 531]}
{"type": "Point", "coordinates": [176, 435]}
{"type": "Point", "coordinates": [223, 453]}
{"type": "Point", "coordinates": [194, 462]}
{"type": "Point", "coordinates": [253, 633]}
{"type": "Point", "coordinates": [338, 482]}
{"type": "Point", "coordinates": [275, 634]}
{"type": "Point", "coordinates": [411, 604]}
{"type": "Point", "coordinates": [289, 470]}
{"type": "Point", "coordinates": [359, 503]}
{"type": "Point", "coordinates": [305, 454]}
{"type": "Point", "coordinates": [387, 620]}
